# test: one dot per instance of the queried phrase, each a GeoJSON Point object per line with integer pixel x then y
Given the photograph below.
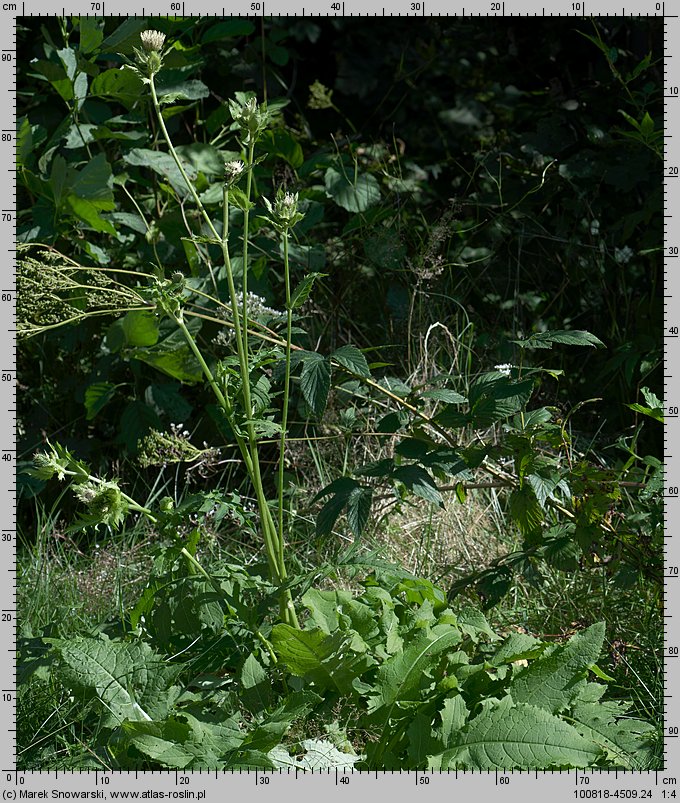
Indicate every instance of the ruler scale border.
{"type": "Point", "coordinates": [210, 785]}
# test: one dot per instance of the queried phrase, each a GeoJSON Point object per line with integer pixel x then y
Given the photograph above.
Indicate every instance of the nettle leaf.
{"type": "Point", "coordinates": [302, 291]}
{"type": "Point", "coordinates": [553, 680]}
{"type": "Point", "coordinates": [544, 485]}
{"type": "Point", "coordinates": [443, 395]}
{"type": "Point", "coordinates": [359, 508]}
{"type": "Point", "coordinates": [419, 482]}
{"type": "Point", "coordinates": [352, 359]}
{"type": "Point", "coordinates": [494, 397]}
{"type": "Point", "coordinates": [315, 381]}
{"type": "Point", "coordinates": [525, 509]}
{"type": "Point", "coordinates": [507, 736]}
{"type": "Point", "coordinates": [353, 195]}
{"type": "Point", "coordinates": [345, 493]}
{"type": "Point", "coordinates": [97, 396]}
{"type": "Point", "coordinates": [568, 337]}
{"type": "Point", "coordinates": [129, 678]}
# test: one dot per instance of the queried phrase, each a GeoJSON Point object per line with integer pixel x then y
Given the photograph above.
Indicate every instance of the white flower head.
{"type": "Point", "coordinates": [504, 368]}
{"type": "Point", "coordinates": [152, 41]}
{"type": "Point", "coordinates": [233, 171]}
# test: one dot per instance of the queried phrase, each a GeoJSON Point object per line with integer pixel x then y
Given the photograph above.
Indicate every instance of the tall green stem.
{"type": "Point", "coordinates": [246, 226]}
{"type": "Point", "coordinates": [286, 388]}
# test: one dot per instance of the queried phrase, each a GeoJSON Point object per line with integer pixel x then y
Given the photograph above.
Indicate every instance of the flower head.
{"type": "Point", "coordinates": [504, 368]}
{"type": "Point", "coordinates": [152, 41]}
{"type": "Point", "coordinates": [283, 212]}
{"type": "Point", "coordinates": [150, 57]}
{"type": "Point", "coordinates": [233, 172]}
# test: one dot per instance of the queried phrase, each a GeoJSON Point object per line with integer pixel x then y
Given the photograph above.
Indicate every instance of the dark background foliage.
{"type": "Point", "coordinates": [515, 193]}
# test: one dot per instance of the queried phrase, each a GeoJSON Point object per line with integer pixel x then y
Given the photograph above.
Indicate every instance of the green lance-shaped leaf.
{"type": "Point", "coordinates": [567, 337]}
{"type": "Point", "coordinates": [302, 291]}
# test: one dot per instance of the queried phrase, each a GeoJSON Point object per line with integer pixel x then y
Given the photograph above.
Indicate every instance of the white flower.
{"type": "Point", "coordinates": [152, 41]}
{"type": "Point", "coordinates": [623, 255]}
{"type": "Point", "coordinates": [504, 368]}
{"type": "Point", "coordinates": [233, 171]}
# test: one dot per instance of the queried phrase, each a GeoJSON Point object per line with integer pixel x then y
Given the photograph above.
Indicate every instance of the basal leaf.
{"type": "Point", "coordinates": [552, 680]}
{"type": "Point", "coordinates": [507, 736]}
{"type": "Point", "coordinates": [627, 742]}
{"type": "Point", "coordinates": [326, 660]}
{"type": "Point", "coordinates": [131, 681]}
{"type": "Point", "coordinates": [317, 755]}
{"type": "Point", "coordinates": [272, 729]}
{"type": "Point", "coordinates": [398, 679]}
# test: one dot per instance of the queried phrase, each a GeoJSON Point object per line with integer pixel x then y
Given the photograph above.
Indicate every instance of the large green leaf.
{"type": "Point", "coordinates": [627, 742]}
{"type": "Point", "coordinates": [269, 732]}
{"type": "Point", "coordinates": [121, 85]}
{"type": "Point", "coordinates": [353, 195]}
{"type": "Point", "coordinates": [187, 741]}
{"type": "Point", "coordinates": [399, 678]}
{"type": "Point", "coordinates": [326, 660]}
{"type": "Point", "coordinates": [553, 680]}
{"type": "Point", "coordinates": [164, 165]}
{"type": "Point", "coordinates": [227, 29]}
{"type": "Point", "coordinates": [131, 681]}
{"type": "Point", "coordinates": [97, 396]}
{"type": "Point", "coordinates": [256, 687]}
{"type": "Point", "coordinates": [419, 482]}
{"type": "Point", "coordinates": [507, 736]}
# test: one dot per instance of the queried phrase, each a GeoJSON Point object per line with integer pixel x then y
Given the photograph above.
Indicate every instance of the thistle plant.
{"type": "Point", "coordinates": [233, 388]}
